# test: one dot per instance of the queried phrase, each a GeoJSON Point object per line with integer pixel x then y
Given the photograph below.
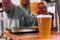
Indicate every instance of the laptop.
{"type": "Point", "coordinates": [22, 29]}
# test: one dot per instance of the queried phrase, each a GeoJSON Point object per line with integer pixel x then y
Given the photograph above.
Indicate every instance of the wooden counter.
{"type": "Point", "coordinates": [31, 36]}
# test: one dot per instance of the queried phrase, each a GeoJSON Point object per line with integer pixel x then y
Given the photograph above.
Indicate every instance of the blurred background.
{"type": "Point", "coordinates": [3, 17]}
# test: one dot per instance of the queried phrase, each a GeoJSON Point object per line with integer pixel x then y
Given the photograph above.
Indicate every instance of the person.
{"type": "Point", "coordinates": [18, 16]}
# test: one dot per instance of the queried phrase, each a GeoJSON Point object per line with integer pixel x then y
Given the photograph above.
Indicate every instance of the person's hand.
{"type": "Point", "coordinates": [42, 9]}
{"type": "Point", "coordinates": [6, 5]}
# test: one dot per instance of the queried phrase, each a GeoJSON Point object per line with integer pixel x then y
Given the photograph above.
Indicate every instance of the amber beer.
{"type": "Point", "coordinates": [44, 25]}
{"type": "Point", "coordinates": [33, 6]}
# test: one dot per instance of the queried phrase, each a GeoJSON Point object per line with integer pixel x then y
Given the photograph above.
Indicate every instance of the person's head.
{"type": "Point", "coordinates": [25, 3]}
{"type": "Point", "coordinates": [6, 4]}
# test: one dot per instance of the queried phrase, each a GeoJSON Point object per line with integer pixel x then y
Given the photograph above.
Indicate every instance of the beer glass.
{"type": "Point", "coordinates": [44, 25]}
{"type": "Point", "coordinates": [33, 5]}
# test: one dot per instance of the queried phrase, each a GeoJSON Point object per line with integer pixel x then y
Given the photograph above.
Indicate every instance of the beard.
{"type": "Point", "coordinates": [25, 4]}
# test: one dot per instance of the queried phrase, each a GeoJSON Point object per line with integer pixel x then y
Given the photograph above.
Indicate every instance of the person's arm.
{"type": "Point", "coordinates": [7, 5]}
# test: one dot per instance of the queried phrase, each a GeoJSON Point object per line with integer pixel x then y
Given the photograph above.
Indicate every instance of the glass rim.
{"type": "Point", "coordinates": [44, 16]}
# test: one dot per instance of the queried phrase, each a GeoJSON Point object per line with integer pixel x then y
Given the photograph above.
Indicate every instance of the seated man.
{"type": "Point", "coordinates": [18, 16]}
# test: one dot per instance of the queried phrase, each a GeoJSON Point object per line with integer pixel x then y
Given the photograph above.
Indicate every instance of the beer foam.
{"type": "Point", "coordinates": [44, 16]}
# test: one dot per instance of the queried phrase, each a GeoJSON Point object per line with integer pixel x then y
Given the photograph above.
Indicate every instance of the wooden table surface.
{"type": "Point", "coordinates": [31, 36]}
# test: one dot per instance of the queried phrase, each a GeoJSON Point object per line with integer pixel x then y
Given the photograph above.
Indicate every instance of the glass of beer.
{"type": "Point", "coordinates": [33, 5]}
{"type": "Point", "coordinates": [44, 25]}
